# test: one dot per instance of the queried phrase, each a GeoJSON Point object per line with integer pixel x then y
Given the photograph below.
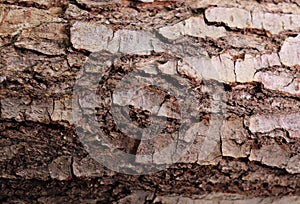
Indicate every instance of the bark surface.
{"type": "Point", "coordinates": [240, 59]}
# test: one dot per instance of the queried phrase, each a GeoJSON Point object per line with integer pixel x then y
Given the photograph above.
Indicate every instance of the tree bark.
{"type": "Point", "coordinates": [239, 61]}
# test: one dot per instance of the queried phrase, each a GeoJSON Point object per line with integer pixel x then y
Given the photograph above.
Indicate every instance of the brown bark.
{"type": "Point", "coordinates": [44, 46]}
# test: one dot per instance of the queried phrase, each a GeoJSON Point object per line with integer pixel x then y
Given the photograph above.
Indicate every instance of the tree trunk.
{"type": "Point", "coordinates": [149, 101]}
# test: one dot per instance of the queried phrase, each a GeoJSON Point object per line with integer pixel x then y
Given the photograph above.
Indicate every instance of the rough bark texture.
{"type": "Point", "coordinates": [253, 47]}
